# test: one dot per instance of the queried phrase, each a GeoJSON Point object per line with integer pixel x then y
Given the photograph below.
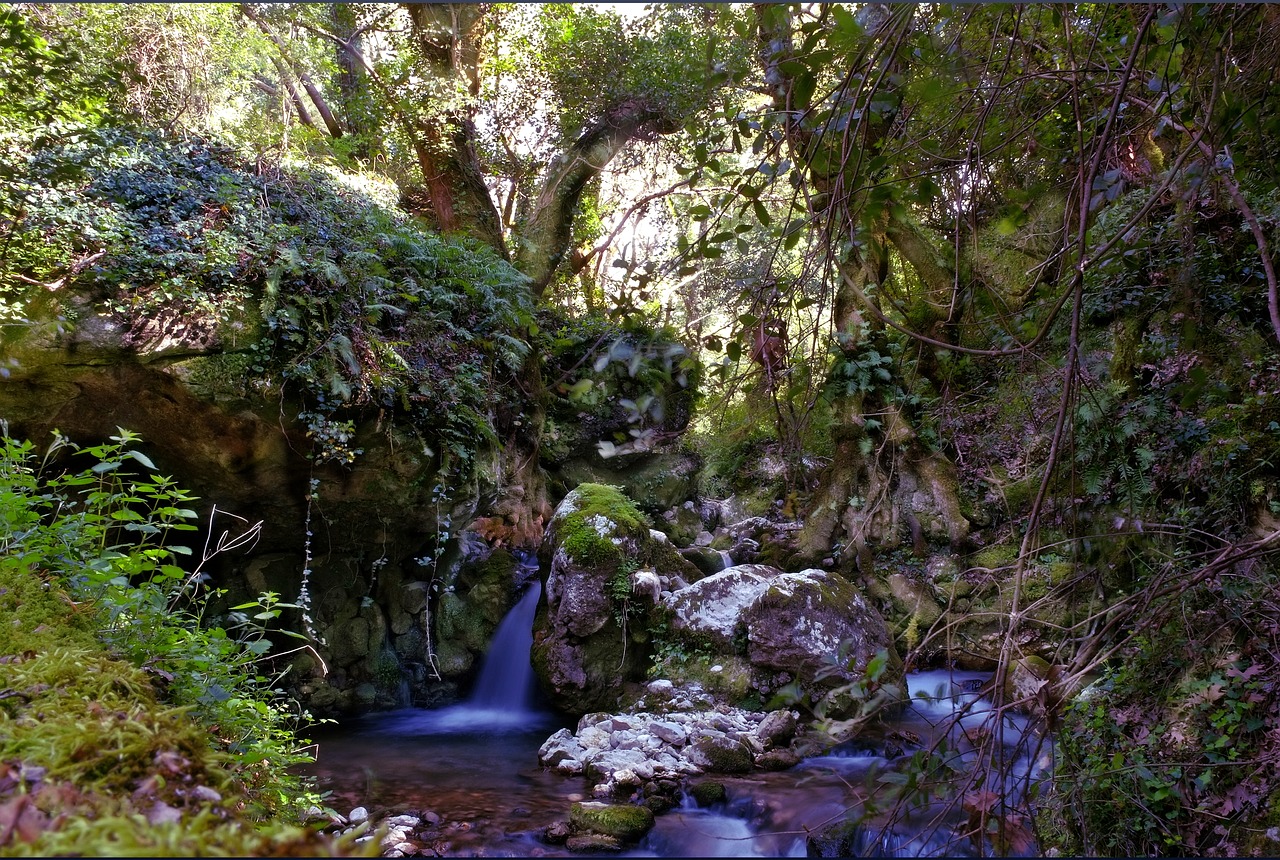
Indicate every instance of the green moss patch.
{"type": "Point", "coordinates": [601, 518]}
{"type": "Point", "coordinates": [623, 821]}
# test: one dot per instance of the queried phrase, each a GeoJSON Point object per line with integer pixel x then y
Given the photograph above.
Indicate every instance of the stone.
{"type": "Point", "coordinates": [802, 619]}
{"type": "Point", "coordinates": [721, 754]}
{"type": "Point", "coordinates": [713, 607]}
{"type": "Point", "coordinates": [707, 560]}
{"type": "Point", "coordinates": [591, 843]}
{"type": "Point", "coordinates": [783, 758]}
{"type": "Point", "coordinates": [708, 793]}
{"type": "Point", "coordinates": [777, 729]}
{"type": "Point", "coordinates": [669, 733]}
{"type": "Point", "coordinates": [358, 814]}
{"type": "Point", "coordinates": [414, 596]}
{"type": "Point", "coordinates": [556, 832]}
{"type": "Point", "coordinates": [625, 822]}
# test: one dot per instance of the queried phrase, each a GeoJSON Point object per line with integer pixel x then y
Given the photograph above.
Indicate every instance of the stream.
{"type": "Point", "coordinates": [474, 767]}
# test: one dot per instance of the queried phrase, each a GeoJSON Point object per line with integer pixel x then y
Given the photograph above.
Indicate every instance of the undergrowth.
{"type": "Point", "coordinates": [300, 284]}
{"type": "Point", "coordinates": [129, 725]}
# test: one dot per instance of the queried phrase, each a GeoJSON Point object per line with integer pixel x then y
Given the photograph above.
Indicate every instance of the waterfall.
{"type": "Point", "coordinates": [506, 680]}
{"type": "Point", "coordinates": [503, 699]}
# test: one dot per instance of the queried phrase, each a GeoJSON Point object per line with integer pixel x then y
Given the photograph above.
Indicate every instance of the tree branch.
{"type": "Point", "coordinates": [545, 237]}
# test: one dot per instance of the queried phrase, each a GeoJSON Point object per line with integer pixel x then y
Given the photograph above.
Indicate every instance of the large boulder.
{"type": "Point", "coordinates": [606, 574]}
{"type": "Point", "coordinates": [775, 628]}
{"type": "Point", "coordinates": [801, 620]}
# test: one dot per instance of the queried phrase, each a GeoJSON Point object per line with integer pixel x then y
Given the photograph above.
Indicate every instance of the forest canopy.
{"type": "Point", "coordinates": [916, 278]}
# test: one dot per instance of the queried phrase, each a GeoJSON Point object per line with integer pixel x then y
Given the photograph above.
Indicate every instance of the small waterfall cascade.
{"type": "Point", "coordinates": [503, 700]}
{"type": "Point", "coordinates": [506, 681]}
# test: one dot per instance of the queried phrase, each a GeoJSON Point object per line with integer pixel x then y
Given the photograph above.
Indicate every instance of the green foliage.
{"type": "Point", "coordinates": [1165, 754]}
{"type": "Point", "coordinates": [101, 539]}
{"type": "Point", "coordinates": [26, 56]}
{"type": "Point", "coordinates": [661, 62]}
{"type": "Point", "coordinates": [344, 306]}
{"type": "Point", "coordinates": [631, 375]}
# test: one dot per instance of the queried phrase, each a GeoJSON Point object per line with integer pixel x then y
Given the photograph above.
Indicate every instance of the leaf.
{"type": "Point", "coordinates": [141, 458]}
{"type": "Point", "coordinates": [579, 389]}
{"type": "Point", "coordinates": [802, 91]}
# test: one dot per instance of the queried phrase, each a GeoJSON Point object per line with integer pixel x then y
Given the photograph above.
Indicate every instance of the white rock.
{"type": "Point", "coordinates": [660, 687]}
{"type": "Point", "coordinates": [669, 732]}
{"type": "Point", "coordinates": [593, 738]}
{"type": "Point", "coordinates": [358, 814]}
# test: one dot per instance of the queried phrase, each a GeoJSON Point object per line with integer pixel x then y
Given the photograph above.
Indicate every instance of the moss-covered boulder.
{"type": "Point", "coordinates": [621, 821]}
{"type": "Point", "coordinates": [590, 633]}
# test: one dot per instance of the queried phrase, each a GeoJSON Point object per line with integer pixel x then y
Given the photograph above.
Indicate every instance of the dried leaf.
{"type": "Point", "coordinates": [19, 817]}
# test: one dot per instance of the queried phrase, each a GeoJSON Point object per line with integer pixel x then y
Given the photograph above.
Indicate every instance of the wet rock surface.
{"type": "Point", "coordinates": [678, 735]}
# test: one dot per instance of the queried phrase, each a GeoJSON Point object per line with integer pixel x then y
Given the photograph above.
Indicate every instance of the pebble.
{"type": "Point", "coordinates": [358, 814]}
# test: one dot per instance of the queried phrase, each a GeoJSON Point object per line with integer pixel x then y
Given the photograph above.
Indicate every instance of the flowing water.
{"type": "Point", "coordinates": [475, 765]}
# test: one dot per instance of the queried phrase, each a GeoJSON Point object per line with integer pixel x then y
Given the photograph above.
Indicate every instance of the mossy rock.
{"type": "Point", "coordinates": [593, 522]}
{"type": "Point", "coordinates": [724, 754]}
{"type": "Point", "coordinates": [994, 557]}
{"type": "Point", "coordinates": [914, 604]}
{"type": "Point", "coordinates": [664, 558]}
{"type": "Point", "coordinates": [708, 561]}
{"type": "Point", "coordinates": [708, 793]}
{"type": "Point", "coordinates": [657, 482]}
{"type": "Point", "coordinates": [727, 677]}
{"type": "Point", "coordinates": [622, 821]}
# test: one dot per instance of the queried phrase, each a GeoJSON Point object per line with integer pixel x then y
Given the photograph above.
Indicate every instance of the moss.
{"type": "Point", "coordinates": [498, 567]}
{"type": "Point", "coordinates": [993, 557]}
{"type": "Point", "coordinates": [37, 614]}
{"type": "Point", "coordinates": [109, 753]}
{"type": "Point", "coordinates": [725, 755]}
{"type": "Point", "coordinates": [387, 672]}
{"type": "Point", "coordinates": [601, 517]}
{"type": "Point", "coordinates": [623, 821]}
{"type": "Point", "coordinates": [708, 793]}
{"type": "Point", "coordinates": [667, 560]}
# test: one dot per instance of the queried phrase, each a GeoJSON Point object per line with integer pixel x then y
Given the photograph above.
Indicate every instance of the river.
{"type": "Point", "coordinates": [475, 767]}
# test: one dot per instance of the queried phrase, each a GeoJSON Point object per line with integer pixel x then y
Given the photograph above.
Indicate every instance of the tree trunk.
{"type": "Point", "coordinates": [295, 99]}
{"type": "Point", "coordinates": [355, 101]}
{"type": "Point", "coordinates": [322, 106]}
{"type": "Point", "coordinates": [883, 485]}
{"type": "Point", "coordinates": [544, 230]}
{"type": "Point", "coordinates": [447, 37]}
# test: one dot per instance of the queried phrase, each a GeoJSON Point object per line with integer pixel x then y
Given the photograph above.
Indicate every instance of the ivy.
{"type": "Point", "coordinates": [340, 305]}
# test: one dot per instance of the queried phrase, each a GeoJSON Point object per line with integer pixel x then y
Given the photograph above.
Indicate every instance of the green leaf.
{"type": "Point", "coordinates": [802, 91]}
{"type": "Point", "coordinates": [141, 458]}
